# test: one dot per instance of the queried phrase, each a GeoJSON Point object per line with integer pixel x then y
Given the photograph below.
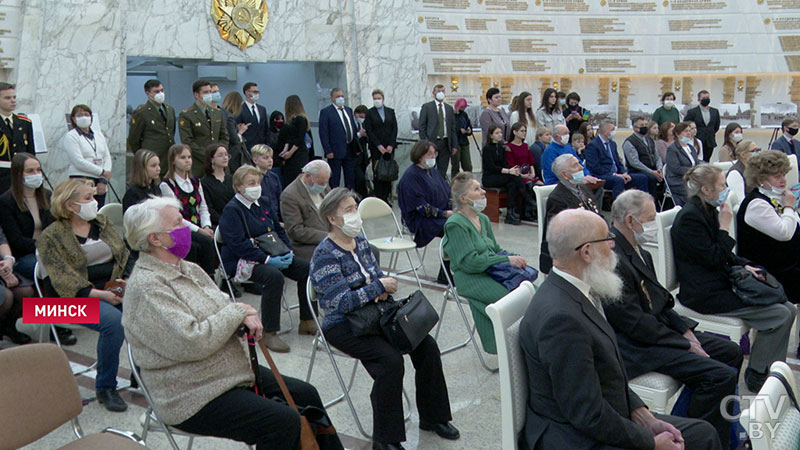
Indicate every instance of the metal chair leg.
{"type": "Point", "coordinates": [439, 326]}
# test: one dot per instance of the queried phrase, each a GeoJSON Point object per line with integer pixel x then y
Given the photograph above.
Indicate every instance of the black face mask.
{"type": "Point", "coordinates": [792, 131]}
{"type": "Point", "coordinates": [705, 101]}
{"type": "Point", "coordinates": [643, 130]}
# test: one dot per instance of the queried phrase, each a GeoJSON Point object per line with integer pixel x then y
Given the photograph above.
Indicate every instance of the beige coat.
{"type": "Point", "coordinates": [181, 329]}
{"type": "Point", "coordinates": [305, 227]}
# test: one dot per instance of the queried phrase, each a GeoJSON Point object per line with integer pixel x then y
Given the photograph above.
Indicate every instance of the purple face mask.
{"type": "Point", "coordinates": [181, 241]}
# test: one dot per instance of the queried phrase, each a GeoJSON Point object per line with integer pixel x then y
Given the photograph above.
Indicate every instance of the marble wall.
{"type": "Point", "coordinates": [74, 51]}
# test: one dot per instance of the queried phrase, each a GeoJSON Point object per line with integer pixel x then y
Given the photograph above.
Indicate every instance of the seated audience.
{"type": "Point", "coordinates": [602, 160]}
{"type": "Point", "coordinates": [786, 142]}
{"type": "Point", "coordinates": [549, 113]}
{"type": "Point", "coordinates": [665, 139]}
{"type": "Point", "coordinates": [80, 252]}
{"type": "Point", "coordinates": [518, 154]}
{"type": "Point", "coordinates": [300, 205]}
{"type": "Point", "coordinates": [652, 130]}
{"type": "Point", "coordinates": [179, 183]}
{"type": "Point", "coordinates": [183, 334]}
{"type": "Point", "coordinates": [497, 173]}
{"type": "Point", "coordinates": [144, 179]}
{"type": "Point", "coordinates": [217, 183]}
{"type": "Point", "coordinates": [247, 216]}
{"type": "Point", "coordinates": [767, 223]}
{"type": "Point", "coordinates": [87, 151]}
{"type": "Point", "coordinates": [578, 394]}
{"type": "Point", "coordinates": [587, 130]}
{"type": "Point", "coordinates": [651, 336]}
{"type": "Point", "coordinates": [570, 193]}
{"type": "Point", "coordinates": [733, 135]}
{"type": "Point", "coordinates": [697, 143]}
{"type": "Point", "coordinates": [703, 258]}
{"type": "Point", "coordinates": [559, 145]}
{"type": "Point", "coordinates": [641, 156]}
{"type": "Point", "coordinates": [346, 276]}
{"type": "Point", "coordinates": [271, 184]}
{"type": "Point", "coordinates": [13, 288]}
{"type": "Point", "coordinates": [578, 143]}
{"type": "Point", "coordinates": [543, 138]}
{"type": "Point", "coordinates": [681, 156]}
{"type": "Point", "coordinates": [472, 248]}
{"type": "Point", "coordinates": [735, 176]}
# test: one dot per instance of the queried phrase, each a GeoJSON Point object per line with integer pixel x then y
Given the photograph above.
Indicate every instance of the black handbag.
{"type": "Point", "coordinates": [387, 170]}
{"type": "Point", "coordinates": [755, 292]}
{"type": "Point", "coordinates": [405, 327]}
{"type": "Point", "coordinates": [270, 242]}
{"type": "Point", "coordinates": [366, 320]}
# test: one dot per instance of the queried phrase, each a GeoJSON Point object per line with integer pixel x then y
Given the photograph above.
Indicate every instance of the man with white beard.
{"type": "Point", "coordinates": [578, 388]}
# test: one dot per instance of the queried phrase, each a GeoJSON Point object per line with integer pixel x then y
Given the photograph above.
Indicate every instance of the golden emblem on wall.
{"type": "Point", "coordinates": [240, 22]}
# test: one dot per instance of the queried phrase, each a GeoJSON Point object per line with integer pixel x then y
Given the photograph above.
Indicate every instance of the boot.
{"type": "Point", "coordinates": [274, 343]}
{"type": "Point", "coordinates": [511, 218]}
{"type": "Point", "coordinates": [307, 327]}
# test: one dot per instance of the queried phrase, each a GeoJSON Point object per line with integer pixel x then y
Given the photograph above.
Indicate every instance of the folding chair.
{"type": "Point", "coordinates": [772, 421]}
{"type": "Point", "coordinates": [284, 303]}
{"type": "Point", "coordinates": [114, 213]}
{"type": "Point", "coordinates": [319, 340]}
{"type": "Point", "coordinates": [450, 292]}
{"type": "Point", "coordinates": [791, 176]}
{"type": "Point", "coordinates": [152, 416]}
{"type": "Point", "coordinates": [667, 191]}
{"type": "Point", "coordinates": [722, 165]}
{"type": "Point", "coordinates": [542, 192]}
{"type": "Point", "coordinates": [372, 208]}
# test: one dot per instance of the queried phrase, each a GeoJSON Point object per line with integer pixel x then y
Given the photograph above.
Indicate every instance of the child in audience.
{"type": "Point", "coordinates": [578, 142]}
{"type": "Point", "coordinates": [271, 186]}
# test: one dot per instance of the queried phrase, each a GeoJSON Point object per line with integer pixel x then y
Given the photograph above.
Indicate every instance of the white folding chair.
{"type": "Point", "coordinates": [655, 390]}
{"type": "Point", "coordinates": [320, 340]}
{"type": "Point", "coordinates": [667, 191]}
{"type": "Point", "coordinates": [666, 272]}
{"type": "Point", "coordinates": [217, 243]}
{"type": "Point", "coordinates": [450, 292]}
{"type": "Point", "coordinates": [542, 193]}
{"type": "Point", "coordinates": [372, 208]}
{"type": "Point", "coordinates": [772, 421]}
{"type": "Point", "coordinates": [114, 213]}
{"type": "Point", "coordinates": [791, 176]}
{"type": "Point", "coordinates": [723, 165]}
{"type": "Point", "coordinates": [505, 315]}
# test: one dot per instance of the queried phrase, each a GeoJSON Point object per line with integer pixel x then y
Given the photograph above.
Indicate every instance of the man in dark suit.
{"type": "Point", "coordinates": [602, 160]}
{"type": "Point", "coordinates": [201, 125]}
{"type": "Point", "coordinates": [570, 193]}
{"type": "Point", "coordinates": [437, 124]}
{"type": "Point", "coordinates": [381, 126]}
{"type": "Point", "coordinates": [578, 396]}
{"type": "Point", "coordinates": [787, 143]}
{"type": "Point", "coordinates": [338, 133]}
{"type": "Point", "coordinates": [255, 115]}
{"type": "Point", "coordinates": [707, 120]}
{"type": "Point", "coordinates": [153, 124]}
{"type": "Point", "coordinates": [652, 337]}
{"type": "Point", "coordinates": [16, 133]}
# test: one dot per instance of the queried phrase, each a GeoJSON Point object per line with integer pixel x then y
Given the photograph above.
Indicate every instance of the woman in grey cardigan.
{"type": "Point", "coordinates": [182, 331]}
{"type": "Point", "coordinates": [494, 115]}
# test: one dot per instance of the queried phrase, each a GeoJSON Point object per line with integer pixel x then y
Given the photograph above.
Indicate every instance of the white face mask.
{"type": "Point", "coordinates": [649, 231]}
{"type": "Point", "coordinates": [88, 210]}
{"type": "Point", "coordinates": [377, 103]}
{"type": "Point", "coordinates": [352, 224]}
{"type": "Point", "coordinates": [32, 181]}
{"type": "Point", "coordinates": [440, 96]}
{"type": "Point", "coordinates": [771, 191]}
{"type": "Point", "coordinates": [208, 98]}
{"type": "Point", "coordinates": [563, 139]}
{"type": "Point", "coordinates": [339, 101]}
{"type": "Point", "coordinates": [83, 121]}
{"type": "Point", "coordinates": [158, 97]}
{"type": "Point", "coordinates": [252, 193]}
{"type": "Point", "coordinates": [478, 205]}
{"type": "Point", "coordinates": [254, 97]}
{"type": "Point", "coordinates": [669, 104]}
{"type": "Point", "coordinates": [430, 162]}
{"type": "Point", "coordinates": [737, 137]}
{"type": "Point", "coordinates": [613, 133]}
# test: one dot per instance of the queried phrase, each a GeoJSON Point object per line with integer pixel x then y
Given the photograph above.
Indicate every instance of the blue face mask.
{"type": "Point", "coordinates": [577, 177]}
{"type": "Point", "coordinates": [686, 140]}
{"type": "Point", "coordinates": [216, 97]}
{"type": "Point", "coordinates": [722, 197]}
{"type": "Point", "coordinates": [316, 188]}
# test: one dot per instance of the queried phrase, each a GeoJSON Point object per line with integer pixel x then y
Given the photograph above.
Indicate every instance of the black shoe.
{"type": "Point", "coordinates": [16, 336]}
{"type": "Point", "coordinates": [223, 286]}
{"type": "Point", "coordinates": [445, 430]}
{"type": "Point", "coordinates": [111, 400]}
{"type": "Point", "coordinates": [512, 218]}
{"type": "Point", "coordinates": [65, 336]}
{"type": "Point", "coordinates": [441, 278]}
{"type": "Point", "coordinates": [382, 446]}
{"type": "Point", "coordinates": [252, 288]}
{"type": "Point", "coordinates": [754, 380]}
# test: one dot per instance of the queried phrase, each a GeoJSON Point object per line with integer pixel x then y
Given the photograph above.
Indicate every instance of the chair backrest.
{"type": "Point", "coordinates": [666, 264]}
{"type": "Point", "coordinates": [114, 213]}
{"type": "Point", "coordinates": [372, 208]}
{"type": "Point", "coordinates": [724, 165]}
{"type": "Point", "coordinates": [771, 420]}
{"type": "Point", "coordinates": [791, 177]}
{"type": "Point", "coordinates": [714, 155]}
{"type": "Point", "coordinates": [542, 192]}
{"type": "Point", "coordinates": [37, 277]}
{"type": "Point", "coordinates": [37, 393]}
{"type": "Point", "coordinates": [505, 315]}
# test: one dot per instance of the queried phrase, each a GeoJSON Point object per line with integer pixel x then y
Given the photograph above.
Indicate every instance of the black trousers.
{"type": "Point", "coordinates": [242, 415]}
{"type": "Point", "coordinates": [711, 379]}
{"type": "Point", "coordinates": [697, 435]}
{"type": "Point", "coordinates": [385, 365]}
{"type": "Point", "coordinates": [271, 281]}
{"type": "Point", "coordinates": [442, 156]}
{"type": "Point", "coordinates": [382, 189]}
{"type": "Point", "coordinates": [514, 186]}
{"type": "Point", "coordinates": [202, 253]}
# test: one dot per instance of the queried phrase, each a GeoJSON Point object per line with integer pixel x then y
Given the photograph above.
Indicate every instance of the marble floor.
{"type": "Point", "coordinates": [474, 391]}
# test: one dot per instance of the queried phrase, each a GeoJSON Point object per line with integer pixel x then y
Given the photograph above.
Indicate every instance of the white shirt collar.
{"type": "Point", "coordinates": [604, 140]}
{"type": "Point", "coordinates": [247, 203]}
{"type": "Point", "coordinates": [575, 281]}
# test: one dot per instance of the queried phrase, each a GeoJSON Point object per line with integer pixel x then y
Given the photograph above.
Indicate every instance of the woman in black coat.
{"type": "Point", "coordinates": [703, 253]}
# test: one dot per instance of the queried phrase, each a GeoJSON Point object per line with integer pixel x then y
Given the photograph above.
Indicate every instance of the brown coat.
{"type": "Point", "coordinates": [305, 227]}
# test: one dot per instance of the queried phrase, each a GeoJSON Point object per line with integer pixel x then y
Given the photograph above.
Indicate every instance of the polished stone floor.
{"type": "Point", "coordinates": [474, 392]}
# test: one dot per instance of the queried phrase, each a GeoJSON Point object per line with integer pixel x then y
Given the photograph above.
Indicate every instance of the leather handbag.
{"type": "Point", "coordinates": [387, 170]}
{"type": "Point", "coordinates": [406, 326]}
{"type": "Point", "coordinates": [270, 242]}
{"type": "Point", "coordinates": [366, 320]}
{"type": "Point", "coordinates": [755, 292]}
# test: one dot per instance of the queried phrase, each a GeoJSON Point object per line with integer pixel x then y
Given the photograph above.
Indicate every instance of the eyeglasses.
{"type": "Point", "coordinates": [611, 237]}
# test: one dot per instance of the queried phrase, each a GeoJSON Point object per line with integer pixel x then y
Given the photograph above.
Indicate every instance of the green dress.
{"type": "Point", "coordinates": [471, 253]}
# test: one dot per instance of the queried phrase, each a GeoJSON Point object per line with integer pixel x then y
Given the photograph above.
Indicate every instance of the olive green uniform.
{"type": "Point", "coordinates": [153, 128]}
{"type": "Point", "coordinates": [198, 130]}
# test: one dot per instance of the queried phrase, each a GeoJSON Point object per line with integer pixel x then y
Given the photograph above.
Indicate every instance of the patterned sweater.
{"type": "Point", "coordinates": [334, 271]}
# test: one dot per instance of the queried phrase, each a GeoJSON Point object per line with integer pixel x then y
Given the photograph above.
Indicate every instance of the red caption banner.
{"type": "Point", "coordinates": [60, 310]}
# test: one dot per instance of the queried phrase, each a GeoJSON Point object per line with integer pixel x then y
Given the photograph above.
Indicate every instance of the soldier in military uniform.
{"type": "Point", "coordinates": [201, 125]}
{"type": "Point", "coordinates": [153, 124]}
{"type": "Point", "coordinates": [16, 133]}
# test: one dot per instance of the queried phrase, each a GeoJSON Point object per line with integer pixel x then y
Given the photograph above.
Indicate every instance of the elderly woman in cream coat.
{"type": "Point", "coordinates": [182, 331]}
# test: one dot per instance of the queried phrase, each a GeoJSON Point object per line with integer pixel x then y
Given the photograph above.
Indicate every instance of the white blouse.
{"type": "Point", "coordinates": [762, 216]}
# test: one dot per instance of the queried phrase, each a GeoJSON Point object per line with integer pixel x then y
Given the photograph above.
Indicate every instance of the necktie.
{"type": "Point", "coordinates": [791, 144]}
{"type": "Point", "coordinates": [208, 117]}
{"type": "Point", "coordinates": [347, 129]}
{"type": "Point", "coordinates": [163, 114]}
{"type": "Point", "coordinates": [440, 128]}
{"type": "Point", "coordinates": [613, 163]}
{"type": "Point", "coordinates": [8, 124]}
{"type": "Point", "coordinates": [255, 113]}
